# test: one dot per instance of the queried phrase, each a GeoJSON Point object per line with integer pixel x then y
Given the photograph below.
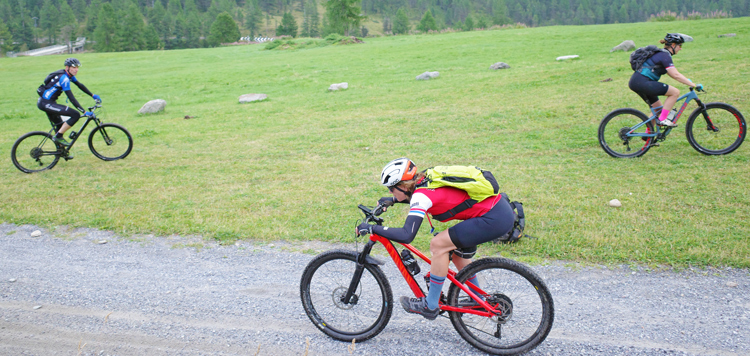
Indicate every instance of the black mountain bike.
{"type": "Point", "coordinates": [36, 152]}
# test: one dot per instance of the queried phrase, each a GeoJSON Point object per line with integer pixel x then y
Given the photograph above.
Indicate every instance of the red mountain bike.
{"type": "Point", "coordinates": [347, 296]}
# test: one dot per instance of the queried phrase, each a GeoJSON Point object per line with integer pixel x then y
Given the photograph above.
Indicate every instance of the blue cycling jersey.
{"type": "Point", "coordinates": [58, 84]}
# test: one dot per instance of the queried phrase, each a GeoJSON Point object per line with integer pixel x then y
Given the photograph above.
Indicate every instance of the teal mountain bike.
{"type": "Point", "coordinates": [712, 129]}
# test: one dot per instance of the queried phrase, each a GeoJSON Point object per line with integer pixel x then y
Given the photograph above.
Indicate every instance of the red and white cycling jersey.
{"type": "Point", "coordinates": [439, 200]}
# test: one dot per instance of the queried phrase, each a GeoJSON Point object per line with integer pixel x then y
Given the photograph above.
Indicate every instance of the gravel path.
{"type": "Point", "coordinates": [90, 292]}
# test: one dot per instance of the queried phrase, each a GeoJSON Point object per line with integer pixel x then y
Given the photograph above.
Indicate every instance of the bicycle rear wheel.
{"type": "Point", "coordinates": [110, 142]}
{"type": "Point", "coordinates": [34, 152]}
{"type": "Point", "coordinates": [324, 283]}
{"type": "Point", "coordinates": [528, 309]}
{"type": "Point", "coordinates": [726, 135]}
{"type": "Point", "coordinates": [614, 134]}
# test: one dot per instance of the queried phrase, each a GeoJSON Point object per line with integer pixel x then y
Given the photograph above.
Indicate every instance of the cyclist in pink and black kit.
{"type": "Point", "coordinates": [484, 221]}
{"type": "Point", "coordinates": [646, 81]}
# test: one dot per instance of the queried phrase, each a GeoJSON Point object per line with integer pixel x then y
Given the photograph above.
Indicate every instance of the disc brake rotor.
{"type": "Point", "coordinates": [338, 296]}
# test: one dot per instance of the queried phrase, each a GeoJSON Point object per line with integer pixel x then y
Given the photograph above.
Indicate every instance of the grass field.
{"type": "Point", "coordinates": [295, 166]}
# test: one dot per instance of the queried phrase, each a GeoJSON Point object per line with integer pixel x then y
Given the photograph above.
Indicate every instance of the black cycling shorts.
{"type": "Point", "coordinates": [56, 112]}
{"type": "Point", "coordinates": [648, 89]}
{"type": "Point", "coordinates": [493, 224]}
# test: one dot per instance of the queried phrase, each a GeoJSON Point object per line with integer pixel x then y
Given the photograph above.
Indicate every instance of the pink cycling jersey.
{"type": "Point", "coordinates": [439, 200]}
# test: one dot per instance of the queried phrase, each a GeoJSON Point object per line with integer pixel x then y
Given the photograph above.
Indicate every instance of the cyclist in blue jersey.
{"type": "Point", "coordinates": [62, 116]}
{"type": "Point", "coordinates": [646, 82]}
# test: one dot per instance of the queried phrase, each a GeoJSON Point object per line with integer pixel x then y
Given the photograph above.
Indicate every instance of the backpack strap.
{"type": "Point", "coordinates": [468, 203]}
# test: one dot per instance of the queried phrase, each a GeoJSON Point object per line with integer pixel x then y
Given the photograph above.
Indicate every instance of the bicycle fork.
{"type": "Point", "coordinates": [362, 258]}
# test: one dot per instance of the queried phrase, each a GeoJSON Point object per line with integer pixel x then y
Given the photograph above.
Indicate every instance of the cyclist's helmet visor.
{"type": "Point", "coordinates": [677, 38]}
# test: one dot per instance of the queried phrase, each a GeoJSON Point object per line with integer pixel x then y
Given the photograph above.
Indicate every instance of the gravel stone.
{"type": "Point", "coordinates": [151, 295]}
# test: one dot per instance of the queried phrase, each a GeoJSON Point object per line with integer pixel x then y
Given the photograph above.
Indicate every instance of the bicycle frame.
{"type": "Point", "coordinates": [688, 97]}
{"type": "Point", "coordinates": [364, 257]}
{"type": "Point", "coordinates": [85, 124]}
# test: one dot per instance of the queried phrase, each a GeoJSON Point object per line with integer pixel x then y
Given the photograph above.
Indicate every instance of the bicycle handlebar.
{"type": "Point", "coordinates": [371, 214]}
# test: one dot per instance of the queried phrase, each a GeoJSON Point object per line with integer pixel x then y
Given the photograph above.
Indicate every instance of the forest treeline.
{"type": "Point", "coordinates": [130, 25]}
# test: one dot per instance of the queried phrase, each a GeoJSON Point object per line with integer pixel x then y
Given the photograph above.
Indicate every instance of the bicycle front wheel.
{"type": "Point", "coordinates": [717, 130]}
{"type": "Point", "coordinates": [616, 133]}
{"type": "Point", "coordinates": [110, 142]}
{"type": "Point", "coordinates": [324, 283]}
{"type": "Point", "coordinates": [34, 152]}
{"type": "Point", "coordinates": [526, 304]}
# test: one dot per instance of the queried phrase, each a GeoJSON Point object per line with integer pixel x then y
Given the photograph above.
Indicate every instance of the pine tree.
{"type": "Point", "coordinates": [106, 30]}
{"type": "Point", "coordinates": [68, 22]}
{"type": "Point", "coordinates": [288, 26]}
{"type": "Point", "coordinates": [92, 15]}
{"type": "Point", "coordinates": [254, 18]}
{"type": "Point", "coordinates": [152, 38]}
{"type": "Point", "coordinates": [469, 24]}
{"type": "Point", "coordinates": [130, 32]}
{"type": "Point", "coordinates": [342, 16]}
{"type": "Point", "coordinates": [401, 25]}
{"type": "Point", "coordinates": [427, 23]}
{"type": "Point", "coordinates": [48, 21]}
{"type": "Point", "coordinates": [223, 30]}
{"type": "Point", "coordinates": [6, 39]}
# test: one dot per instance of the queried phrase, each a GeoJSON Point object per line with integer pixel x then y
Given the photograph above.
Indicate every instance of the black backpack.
{"type": "Point", "coordinates": [516, 233]}
{"type": "Point", "coordinates": [48, 81]}
{"type": "Point", "coordinates": [639, 56]}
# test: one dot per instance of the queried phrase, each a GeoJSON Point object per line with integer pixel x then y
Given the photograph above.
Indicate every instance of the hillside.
{"type": "Point", "coordinates": [295, 166]}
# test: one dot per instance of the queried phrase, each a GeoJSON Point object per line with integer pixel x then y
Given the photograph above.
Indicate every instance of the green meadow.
{"type": "Point", "coordinates": [294, 167]}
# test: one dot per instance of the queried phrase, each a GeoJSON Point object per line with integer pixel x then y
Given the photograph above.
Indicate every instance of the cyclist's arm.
{"type": "Point", "coordinates": [74, 101]}
{"type": "Point", "coordinates": [676, 75]}
{"type": "Point", "coordinates": [405, 234]}
{"type": "Point", "coordinates": [83, 88]}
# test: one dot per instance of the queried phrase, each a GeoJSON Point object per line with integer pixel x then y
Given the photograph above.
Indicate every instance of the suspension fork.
{"type": "Point", "coordinates": [709, 124]}
{"type": "Point", "coordinates": [361, 260]}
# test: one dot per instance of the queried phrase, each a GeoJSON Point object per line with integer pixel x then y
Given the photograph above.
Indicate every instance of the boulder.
{"type": "Point", "coordinates": [153, 106]}
{"type": "Point", "coordinates": [625, 46]}
{"type": "Point", "coordinates": [249, 98]}
{"type": "Point", "coordinates": [564, 58]}
{"type": "Point", "coordinates": [428, 75]}
{"type": "Point", "coordinates": [339, 86]}
{"type": "Point", "coordinates": [499, 65]}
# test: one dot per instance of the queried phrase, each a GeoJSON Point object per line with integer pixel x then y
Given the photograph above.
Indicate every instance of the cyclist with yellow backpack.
{"type": "Point", "coordinates": [486, 216]}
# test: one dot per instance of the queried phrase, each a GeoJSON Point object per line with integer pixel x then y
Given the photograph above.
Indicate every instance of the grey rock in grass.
{"type": "Point", "coordinates": [728, 35]}
{"type": "Point", "coordinates": [36, 233]}
{"type": "Point", "coordinates": [564, 58]}
{"type": "Point", "coordinates": [499, 65]}
{"type": "Point", "coordinates": [428, 75]}
{"type": "Point", "coordinates": [153, 106]}
{"type": "Point", "coordinates": [625, 46]}
{"type": "Point", "coordinates": [249, 98]}
{"type": "Point", "coordinates": [615, 203]}
{"type": "Point", "coordinates": [339, 86]}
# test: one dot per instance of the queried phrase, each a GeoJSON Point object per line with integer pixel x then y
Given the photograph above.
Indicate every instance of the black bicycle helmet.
{"type": "Point", "coordinates": [72, 62]}
{"type": "Point", "coordinates": [677, 38]}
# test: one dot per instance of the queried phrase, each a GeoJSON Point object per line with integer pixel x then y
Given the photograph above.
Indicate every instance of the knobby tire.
{"type": "Point", "coordinates": [612, 136]}
{"type": "Point", "coordinates": [110, 142]}
{"type": "Point", "coordinates": [521, 293]}
{"type": "Point", "coordinates": [35, 152]}
{"type": "Point", "coordinates": [724, 117]}
{"type": "Point", "coordinates": [326, 279]}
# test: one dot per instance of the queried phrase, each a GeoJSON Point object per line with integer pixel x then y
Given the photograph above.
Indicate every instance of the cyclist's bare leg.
{"type": "Point", "coordinates": [460, 262]}
{"type": "Point", "coordinates": [64, 128]}
{"type": "Point", "coordinates": [672, 95]}
{"type": "Point", "coordinates": [440, 246]}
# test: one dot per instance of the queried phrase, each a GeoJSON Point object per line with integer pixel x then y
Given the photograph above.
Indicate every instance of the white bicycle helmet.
{"type": "Point", "coordinates": [398, 170]}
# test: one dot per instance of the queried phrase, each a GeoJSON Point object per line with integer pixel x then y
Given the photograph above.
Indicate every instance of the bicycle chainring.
{"type": "Point", "coordinates": [36, 152]}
